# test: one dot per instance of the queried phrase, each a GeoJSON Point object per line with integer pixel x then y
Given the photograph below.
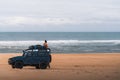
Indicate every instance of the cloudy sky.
{"type": "Point", "coordinates": [59, 15]}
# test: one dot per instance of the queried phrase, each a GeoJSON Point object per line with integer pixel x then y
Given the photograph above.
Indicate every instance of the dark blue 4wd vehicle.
{"type": "Point", "coordinates": [39, 57]}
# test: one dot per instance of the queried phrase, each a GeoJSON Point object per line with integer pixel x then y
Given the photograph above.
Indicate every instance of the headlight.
{"type": "Point", "coordinates": [9, 58]}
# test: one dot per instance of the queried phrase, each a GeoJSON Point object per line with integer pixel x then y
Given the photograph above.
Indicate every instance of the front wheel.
{"type": "Point", "coordinates": [18, 64]}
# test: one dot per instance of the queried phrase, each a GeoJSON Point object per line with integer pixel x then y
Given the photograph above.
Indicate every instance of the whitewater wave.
{"type": "Point", "coordinates": [64, 46]}
{"type": "Point", "coordinates": [26, 43]}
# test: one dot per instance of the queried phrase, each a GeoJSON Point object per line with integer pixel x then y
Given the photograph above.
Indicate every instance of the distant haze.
{"type": "Point", "coordinates": [60, 15]}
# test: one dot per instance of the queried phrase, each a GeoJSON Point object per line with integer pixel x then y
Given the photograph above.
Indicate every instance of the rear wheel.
{"type": "Point", "coordinates": [43, 65]}
{"type": "Point", "coordinates": [18, 64]}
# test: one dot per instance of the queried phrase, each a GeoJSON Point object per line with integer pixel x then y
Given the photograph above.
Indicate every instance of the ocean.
{"type": "Point", "coordinates": [61, 42]}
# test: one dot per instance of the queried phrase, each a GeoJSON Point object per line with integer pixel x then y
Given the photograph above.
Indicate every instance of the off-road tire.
{"type": "Point", "coordinates": [18, 64]}
{"type": "Point", "coordinates": [43, 65]}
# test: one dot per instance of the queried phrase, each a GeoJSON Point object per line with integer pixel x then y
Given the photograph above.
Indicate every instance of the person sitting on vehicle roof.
{"type": "Point", "coordinates": [45, 44]}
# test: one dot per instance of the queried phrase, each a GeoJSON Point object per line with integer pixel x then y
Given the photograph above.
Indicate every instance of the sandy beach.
{"type": "Point", "coordinates": [66, 67]}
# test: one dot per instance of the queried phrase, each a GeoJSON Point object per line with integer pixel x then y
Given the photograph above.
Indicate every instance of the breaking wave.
{"type": "Point", "coordinates": [64, 46]}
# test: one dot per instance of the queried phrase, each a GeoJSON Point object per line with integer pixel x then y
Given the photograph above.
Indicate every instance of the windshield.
{"type": "Point", "coordinates": [24, 53]}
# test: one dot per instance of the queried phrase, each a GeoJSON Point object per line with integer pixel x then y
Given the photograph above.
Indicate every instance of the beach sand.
{"type": "Point", "coordinates": [66, 67]}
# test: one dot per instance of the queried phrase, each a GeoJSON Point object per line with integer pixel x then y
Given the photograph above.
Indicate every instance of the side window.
{"type": "Point", "coordinates": [30, 53]}
{"type": "Point", "coordinates": [40, 53]}
{"type": "Point", "coordinates": [43, 53]}
{"type": "Point", "coordinates": [35, 53]}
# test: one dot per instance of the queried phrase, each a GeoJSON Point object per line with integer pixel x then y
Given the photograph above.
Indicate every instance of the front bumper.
{"type": "Point", "coordinates": [10, 61]}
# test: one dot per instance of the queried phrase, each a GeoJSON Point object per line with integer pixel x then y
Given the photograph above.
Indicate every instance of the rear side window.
{"type": "Point", "coordinates": [42, 53]}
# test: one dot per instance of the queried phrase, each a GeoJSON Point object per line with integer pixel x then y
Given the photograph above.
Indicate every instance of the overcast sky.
{"type": "Point", "coordinates": [59, 15]}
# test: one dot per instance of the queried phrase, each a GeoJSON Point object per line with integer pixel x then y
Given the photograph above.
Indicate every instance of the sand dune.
{"type": "Point", "coordinates": [66, 67]}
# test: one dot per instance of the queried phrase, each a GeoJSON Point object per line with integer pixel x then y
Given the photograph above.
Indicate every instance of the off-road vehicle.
{"type": "Point", "coordinates": [39, 57]}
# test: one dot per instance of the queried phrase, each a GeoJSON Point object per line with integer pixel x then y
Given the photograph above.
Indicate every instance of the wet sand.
{"type": "Point", "coordinates": [66, 67]}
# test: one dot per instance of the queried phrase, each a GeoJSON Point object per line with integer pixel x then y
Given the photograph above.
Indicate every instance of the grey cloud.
{"type": "Point", "coordinates": [59, 15]}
